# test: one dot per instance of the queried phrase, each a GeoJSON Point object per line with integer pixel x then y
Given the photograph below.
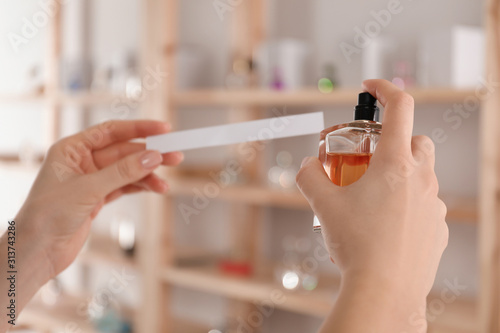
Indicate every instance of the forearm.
{"type": "Point", "coordinates": [23, 275]}
{"type": "Point", "coordinates": [366, 305]}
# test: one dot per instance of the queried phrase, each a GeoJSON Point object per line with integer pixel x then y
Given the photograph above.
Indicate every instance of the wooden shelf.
{"type": "Point", "coordinates": [318, 303]}
{"type": "Point", "coordinates": [83, 98]}
{"type": "Point", "coordinates": [262, 97]}
{"type": "Point", "coordinates": [315, 303]}
{"type": "Point", "coordinates": [251, 194]}
{"type": "Point", "coordinates": [13, 159]}
{"type": "Point", "coordinates": [460, 209]}
{"type": "Point", "coordinates": [49, 318]}
{"type": "Point", "coordinates": [22, 98]}
{"type": "Point", "coordinates": [68, 310]}
{"type": "Point", "coordinates": [460, 316]}
{"type": "Point", "coordinates": [91, 98]}
{"type": "Point", "coordinates": [304, 97]}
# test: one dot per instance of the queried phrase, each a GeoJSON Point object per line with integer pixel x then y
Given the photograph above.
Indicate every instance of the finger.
{"type": "Point", "coordinates": [150, 183]}
{"type": "Point", "coordinates": [112, 153]}
{"type": "Point", "coordinates": [313, 182]}
{"type": "Point", "coordinates": [129, 189]}
{"type": "Point", "coordinates": [153, 182]}
{"type": "Point", "coordinates": [423, 150]}
{"type": "Point", "coordinates": [128, 170]}
{"type": "Point", "coordinates": [398, 115]}
{"type": "Point", "coordinates": [104, 134]}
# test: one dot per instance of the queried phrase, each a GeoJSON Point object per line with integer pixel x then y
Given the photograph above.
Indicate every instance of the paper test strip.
{"type": "Point", "coordinates": [256, 130]}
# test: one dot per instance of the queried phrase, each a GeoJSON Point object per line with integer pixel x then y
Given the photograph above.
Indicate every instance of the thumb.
{"type": "Point", "coordinates": [125, 171]}
{"type": "Point", "coordinates": [313, 182]}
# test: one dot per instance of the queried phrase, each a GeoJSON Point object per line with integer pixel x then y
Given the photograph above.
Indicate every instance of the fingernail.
{"type": "Point", "coordinates": [181, 155]}
{"type": "Point", "coordinates": [305, 161]}
{"type": "Point", "coordinates": [151, 159]}
{"type": "Point", "coordinates": [165, 186]}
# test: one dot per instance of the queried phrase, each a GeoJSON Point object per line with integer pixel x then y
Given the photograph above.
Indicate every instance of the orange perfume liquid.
{"type": "Point", "coordinates": [344, 169]}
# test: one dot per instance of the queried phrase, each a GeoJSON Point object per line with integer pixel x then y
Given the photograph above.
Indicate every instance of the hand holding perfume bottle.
{"type": "Point", "coordinates": [386, 231]}
{"type": "Point", "coordinates": [345, 150]}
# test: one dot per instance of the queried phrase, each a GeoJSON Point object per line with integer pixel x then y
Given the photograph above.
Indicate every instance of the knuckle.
{"type": "Point", "coordinates": [400, 164]}
{"type": "Point", "coordinates": [445, 235]}
{"type": "Point", "coordinates": [55, 148]}
{"type": "Point", "coordinates": [61, 144]}
{"type": "Point", "coordinates": [109, 125]}
{"type": "Point", "coordinates": [300, 176]}
{"type": "Point", "coordinates": [424, 144]}
{"type": "Point", "coordinates": [432, 184]}
{"type": "Point", "coordinates": [124, 170]}
{"type": "Point", "coordinates": [404, 99]}
{"type": "Point", "coordinates": [443, 209]}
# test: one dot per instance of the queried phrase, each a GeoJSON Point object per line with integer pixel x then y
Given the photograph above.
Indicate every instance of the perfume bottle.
{"type": "Point", "coordinates": [346, 149]}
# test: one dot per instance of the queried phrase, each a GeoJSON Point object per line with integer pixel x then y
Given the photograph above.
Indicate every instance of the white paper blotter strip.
{"type": "Point", "coordinates": [257, 130]}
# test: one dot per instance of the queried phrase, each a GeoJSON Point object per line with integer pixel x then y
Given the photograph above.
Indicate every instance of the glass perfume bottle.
{"type": "Point", "coordinates": [346, 149]}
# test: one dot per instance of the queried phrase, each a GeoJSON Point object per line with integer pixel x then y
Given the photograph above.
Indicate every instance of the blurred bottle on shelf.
{"type": "Point", "coordinates": [101, 80]}
{"type": "Point", "coordinates": [282, 175]}
{"type": "Point", "coordinates": [109, 320]}
{"type": "Point", "coordinates": [298, 270]}
{"type": "Point", "coordinates": [452, 57]}
{"type": "Point", "coordinates": [123, 230]}
{"type": "Point", "coordinates": [193, 69]}
{"type": "Point", "coordinates": [34, 80]}
{"type": "Point", "coordinates": [328, 81]}
{"type": "Point", "coordinates": [403, 74]}
{"type": "Point", "coordinates": [377, 58]}
{"type": "Point", "coordinates": [292, 57]}
{"type": "Point", "coordinates": [125, 76]}
{"type": "Point", "coordinates": [240, 75]}
{"type": "Point", "coordinates": [76, 74]}
{"type": "Point", "coordinates": [277, 81]}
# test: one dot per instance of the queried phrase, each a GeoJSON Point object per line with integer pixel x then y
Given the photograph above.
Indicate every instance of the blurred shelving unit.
{"type": "Point", "coordinates": [258, 288]}
{"type": "Point", "coordinates": [68, 315]}
{"type": "Point", "coordinates": [245, 97]}
{"type": "Point", "coordinates": [460, 209]}
{"type": "Point", "coordinates": [302, 97]}
{"type": "Point", "coordinates": [59, 316]}
{"type": "Point", "coordinates": [22, 98]}
{"type": "Point", "coordinates": [156, 256]}
{"type": "Point", "coordinates": [104, 251]}
{"type": "Point", "coordinates": [66, 98]}
{"type": "Point", "coordinates": [461, 315]}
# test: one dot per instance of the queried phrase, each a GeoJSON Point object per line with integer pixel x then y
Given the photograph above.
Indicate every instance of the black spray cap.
{"type": "Point", "coordinates": [367, 108]}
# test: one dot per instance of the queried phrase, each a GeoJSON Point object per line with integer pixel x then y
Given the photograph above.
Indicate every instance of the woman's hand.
{"type": "Point", "coordinates": [79, 175]}
{"type": "Point", "coordinates": [387, 231]}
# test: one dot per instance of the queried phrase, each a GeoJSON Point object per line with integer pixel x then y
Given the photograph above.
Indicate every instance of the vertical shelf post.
{"type": "Point", "coordinates": [247, 32]}
{"type": "Point", "coordinates": [156, 242]}
{"type": "Point", "coordinates": [489, 227]}
{"type": "Point", "coordinates": [52, 84]}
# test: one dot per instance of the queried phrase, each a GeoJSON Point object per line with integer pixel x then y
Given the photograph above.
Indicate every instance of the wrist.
{"type": "Point", "coordinates": [24, 269]}
{"type": "Point", "coordinates": [394, 298]}
{"type": "Point", "coordinates": [393, 282]}
{"type": "Point", "coordinates": [32, 249]}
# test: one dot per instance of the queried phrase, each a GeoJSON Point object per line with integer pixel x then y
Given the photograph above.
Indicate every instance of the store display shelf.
{"type": "Point", "coordinates": [459, 314]}
{"type": "Point", "coordinates": [460, 209]}
{"type": "Point", "coordinates": [305, 97]}
{"type": "Point", "coordinates": [66, 316]}
{"type": "Point", "coordinates": [256, 289]}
